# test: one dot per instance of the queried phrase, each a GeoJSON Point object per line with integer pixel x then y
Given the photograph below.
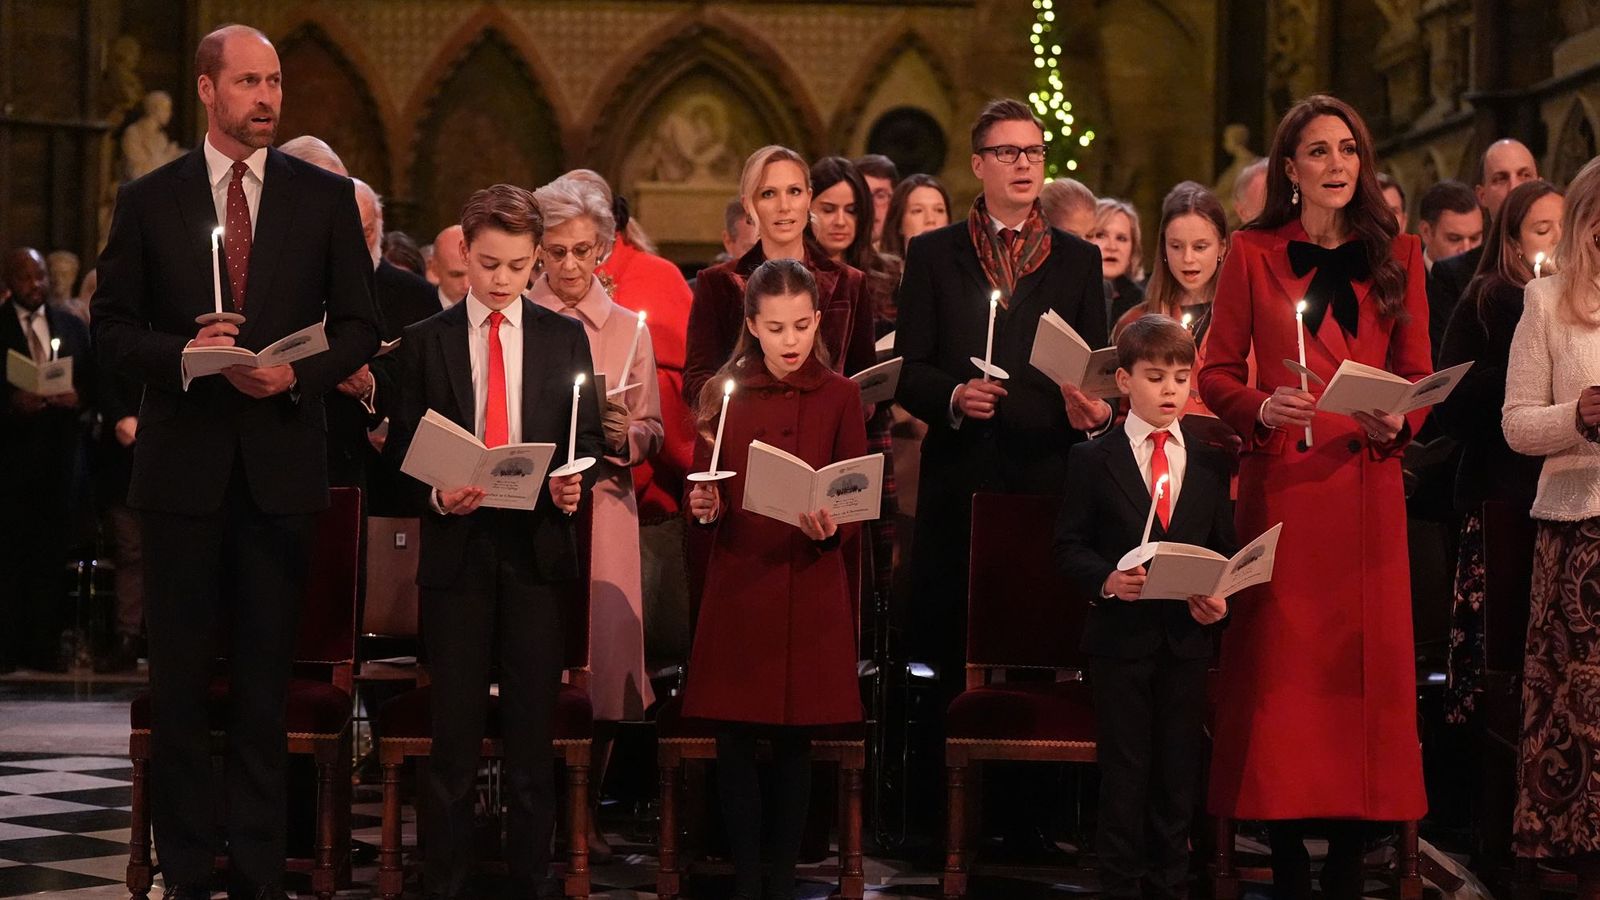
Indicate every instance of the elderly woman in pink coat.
{"type": "Point", "coordinates": [578, 231]}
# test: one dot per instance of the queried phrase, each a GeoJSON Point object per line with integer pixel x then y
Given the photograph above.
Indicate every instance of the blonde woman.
{"type": "Point", "coordinates": [1116, 233]}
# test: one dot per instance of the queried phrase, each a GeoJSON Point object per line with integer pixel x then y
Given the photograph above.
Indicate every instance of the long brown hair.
{"type": "Point", "coordinates": [1367, 216]}
{"type": "Point", "coordinates": [1187, 198]}
{"type": "Point", "coordinates": [773, 278]}
{"type": "Point", "coordinates": [893, 241]}
{"type": "Point", "coordinates": [882, 275]}
{"type": "Point", "coordinates": [1502, 262]}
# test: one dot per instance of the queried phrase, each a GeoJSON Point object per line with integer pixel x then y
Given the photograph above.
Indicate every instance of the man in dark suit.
{"type": "Point", "coordinates": [1148, 657]}
{"type": "Point", "coordinates": [492, 579]}
{"type": "Point", "coordinates": [229, 471]}
{"type": "Point", "coordinates": [38, 454]}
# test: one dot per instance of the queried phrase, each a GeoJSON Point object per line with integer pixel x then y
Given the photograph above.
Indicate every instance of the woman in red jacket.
{"type": "Point", "coordinates": [775, 651]}
{"type": "Point", "coordinates": [1316, 715]}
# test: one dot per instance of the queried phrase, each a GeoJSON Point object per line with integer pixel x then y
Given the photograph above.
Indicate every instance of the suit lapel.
{"type": "Point", "coordinates": [1024, 288]}
{"type": "Point", "coordinates": [1125, 471]}
{"type": "Point", "coordinates": [11, 335]}
{"type": "Point", "coordinates": [967, 259]}
{"type": "Point", "coordinates": [533, 367]}
{"type": "Point", "coordinates": [458, 362]}
{"type": "Point", "coordinates": [274, 220]}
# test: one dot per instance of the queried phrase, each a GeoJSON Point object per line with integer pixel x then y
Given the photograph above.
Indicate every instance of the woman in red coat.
{"type": "Point", "coordinates": [1316, 714]}
{"type": "Point", "coordinates": [775, 651]}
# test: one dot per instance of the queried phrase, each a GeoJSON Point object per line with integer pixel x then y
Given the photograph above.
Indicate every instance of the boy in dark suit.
{"type": "Point", "coordinates": [1148, 658]}
{"type": "Point", "coordinates": [491, 579]}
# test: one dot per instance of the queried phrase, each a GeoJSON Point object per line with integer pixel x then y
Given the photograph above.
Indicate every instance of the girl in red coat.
{"type": "Point", "coordinates": [775, 651]}
{"type": "Point", "coordinates": [1316, 716]}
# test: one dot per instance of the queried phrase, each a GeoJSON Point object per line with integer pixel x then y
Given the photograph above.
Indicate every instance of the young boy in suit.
{"type": "Point", "coordinates": [492, 579]}
{"type": "Point", "coordinates": [1147, 658]}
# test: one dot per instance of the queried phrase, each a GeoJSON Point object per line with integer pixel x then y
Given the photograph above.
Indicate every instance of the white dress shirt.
{"type": "Point", "coordinates": [219, 168]}
{"type": "Point", "coordinates": [510, 351]}
{"type": "Point", "coordinates": [444, 301]}
{"type": "Point", "coordinates": [1139, 431]}
{"type": "Point", "coordinates": [38, 324]}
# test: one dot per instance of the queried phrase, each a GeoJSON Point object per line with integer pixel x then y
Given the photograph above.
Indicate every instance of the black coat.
{"type": "Point", "coordinates": [39, 451]}
{"type": "Point", "coordinates": [1489, 468]}
{"type": "Point", "coordinates": [1447, 281]}
{"type": "Point", "coordinates": [435, 372]}
{"type": "Point", "coordinates": [1103, 518]}
{"type": "Point", "coordinates": [307, 261]}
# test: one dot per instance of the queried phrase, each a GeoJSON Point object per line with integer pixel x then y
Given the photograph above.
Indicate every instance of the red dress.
{"type": "Point", "coordinates": [1316, 712]}
{"type": "Point", "coordinates": [776, 639]}
{"type": "Point", "coordinates": [654, 286]}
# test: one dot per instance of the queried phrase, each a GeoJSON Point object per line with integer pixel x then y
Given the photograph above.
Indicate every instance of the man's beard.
{"type": "Point", "coordinates": [240, 129]}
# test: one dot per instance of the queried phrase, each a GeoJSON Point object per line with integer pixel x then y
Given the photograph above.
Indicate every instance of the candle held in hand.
{"type": "Point", "coordinates": [1538, 263]}
{"type": "Point", "coordinates": [1300, 341]}
{"type": "Point", "coordinates": [1155, 500]}
{"type": "Point", "coordinates": [572, 432]}
{"type": "Point", "coordinates": [627, 364]}
{"type": "Point", "coordinates": [216, 270]}
{"type": "Point", "coordinates": [722, 418]}
{"type": "Point", "coordinates": [55, 349]}
{"type": "Point", "coordinates": [988, 342]}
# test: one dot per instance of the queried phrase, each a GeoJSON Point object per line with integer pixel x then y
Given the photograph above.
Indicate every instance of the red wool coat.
{"type": "Point", "coordinates": [776, 639]}
{"type": "Point", "coordinates": [1316, 712]}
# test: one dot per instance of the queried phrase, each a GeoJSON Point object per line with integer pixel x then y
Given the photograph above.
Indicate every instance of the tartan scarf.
{"type": "Point", "coordinates": [1004, 266]}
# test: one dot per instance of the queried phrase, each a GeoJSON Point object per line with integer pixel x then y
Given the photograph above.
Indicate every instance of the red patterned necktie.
{"type": "Point", "coordinates": [496, 429]}
{"type": "Point", "coordinates": [236, 249]}
{"type": "Point", "coordinates": [1158, 471]}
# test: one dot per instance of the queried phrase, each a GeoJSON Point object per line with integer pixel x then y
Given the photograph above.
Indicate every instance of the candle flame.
{"type": "Point", "coordinates": [1300, 308]}
{"type": "Point", "coordinates": [55, 344]}
{"type": "Point", "coordinates": [994, 296]}
{"type": "Point", "coordinates": [1187, 318]}
{"type": "Point", "coordinates": [217, 232]}
{"type": "Point", "coordinates": [1538, 257]}
{"type": "Point", "coordinates": [577, 381]}
{"type": "Point", "coordinates": [727, 387]}
{"type": "Point", "coordinates": [1161, 485]}
{"type": "Point", "coordinates": [641, 320]}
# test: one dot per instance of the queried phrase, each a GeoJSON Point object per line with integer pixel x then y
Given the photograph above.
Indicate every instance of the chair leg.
{"type": "Point", "coordinates": [324, 880]}
{"type": "Point", "coordinates": [1410, 880]}
{"type": "Point", "coordinates": [140, 877]}
{"type": "Point", "coordinates": [852, 881]}
{"type": "Point", "coordinates": [1224, 879]}
{"type": "Point", "coordinates": [955, 842]}
{"type": "Point", "coordinates": [577, 883]}
{"type": "Point", "coordinates": [667, 875]}
{"type": "Point", "coordinates": [391, 876]}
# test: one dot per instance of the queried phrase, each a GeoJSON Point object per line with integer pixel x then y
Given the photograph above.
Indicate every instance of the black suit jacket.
{"type": "Point", "coordinates": [38, 452]}
{"type": "Point", "coordinates": [1447, 281]}
{"type": "Point", "coordinates": [308, 261]}
{"type": "Point", "coordinates": [435, 372]}
{"type": "Point", "coordinates": [1103, 518]}
{"type": "Point", "coordinates": [943, 317]}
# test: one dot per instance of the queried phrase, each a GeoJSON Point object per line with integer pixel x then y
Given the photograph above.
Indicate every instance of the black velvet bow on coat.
{"type": "Point", "coordinates": [1336, 270]}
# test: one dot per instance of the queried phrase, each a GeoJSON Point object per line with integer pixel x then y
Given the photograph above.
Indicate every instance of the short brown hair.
{"type": "Point", "coordinates": [878, 166]}
{"type": "Point", "coordinates": [504, 207]}
{"type": "Point", "coordinates": [996, 111]}
{"type": "Point", "coordinates": [1156, 339]}
{"type": "Point", "coordinates": [208, 55]}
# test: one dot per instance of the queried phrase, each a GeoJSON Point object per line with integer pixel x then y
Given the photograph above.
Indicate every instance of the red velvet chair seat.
{"type": "Point", "coordinates": [313, 707]}
{"type": "Point", "coordinates": [672, 724]}
{"type": "Point", "coordinates": [410, 716]}
{"type": "Point", "coordinates": [1025, 711]}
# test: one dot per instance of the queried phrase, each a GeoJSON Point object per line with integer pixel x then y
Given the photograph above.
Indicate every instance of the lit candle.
{"type": "Point", "coordinates": [55, 349]}
{"type": "Point", "coordinates": [1188, 319]}
{"type": "Point", "coordinates": [1538, 263]}
{"type": "Point", "coordinates": [216, 271]}
{"type": "Point", "coordinates": [722, 418]}
{"type": "Point", "coordinates": [1155, 499]}
{"type": "Point", "coordinates": [1300, 341]}
{"type": "Point", "coordinates": [988, 342]}
{"type": "Point", "coordinates": [572, 432]}
{"type": "Point", "coordinates": [633, 348]}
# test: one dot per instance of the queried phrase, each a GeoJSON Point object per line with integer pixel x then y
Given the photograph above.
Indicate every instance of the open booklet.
{"type": "Point", "coordinates": [1060, 352]}
{"type": "Point", "coordinates": [1358, 387]}
{"type": "Point", "coordinates": [202, 361]}
{"type": "Point", "coordinates": [447, 456]}
{"type": "Point", "coordinates": [782, 486]}
{"type": "Point", "coordinates": [878, 383]}
{"type": "Point", "coordinates": [1178, 570]}
{"type": "Point", "coordinates": [45, 379]}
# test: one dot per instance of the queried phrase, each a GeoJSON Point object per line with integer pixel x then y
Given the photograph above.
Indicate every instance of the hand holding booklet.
{"type": "Point", "coordinates": [46, 379]}
{"type": "Point", "coordinates": [201, 361]}
{"type": "Point", "coordinates": [1176, 571]}
{"type": "Point", "coordinates": [1359, 388]}
{"type": "Point", "coordinates": [878, 383]}
{"type": "Point", "coordinates": [782, 486]}
{"type": "Point", "coordinates": [1059, 352]}
{"type": "Point", "coordinates": [448, 457]}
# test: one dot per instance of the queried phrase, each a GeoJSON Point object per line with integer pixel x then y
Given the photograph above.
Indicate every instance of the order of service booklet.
{"type": "Point", "coordinates": [202, 361]}
{"type": "Point", "coordinates": [878, 383]}
{"type": "Point", "coordinates": [1359, 387]}
{"type": "Point", "coordinates": [45, 379]}
{"type": "Point", "coordinates": [1061, 353]}
{"type": "Point", "coordinates": [782, 486]}
{"type": "Point", "coordinates": [447, 456]}
{"type": "Point", "coordinates": [1178, 570]}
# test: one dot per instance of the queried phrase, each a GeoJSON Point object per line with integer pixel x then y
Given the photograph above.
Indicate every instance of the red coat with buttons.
{"type": "Point", "coordinates": [776, 638]}
{"type": "Point", "coordinates": [1316, 709]}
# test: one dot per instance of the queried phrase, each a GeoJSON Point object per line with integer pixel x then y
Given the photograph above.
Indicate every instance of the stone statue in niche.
{"type": "Point", "coordinates": [121, 88]}
{"type": "Point", "coordinates": [145, 144]}
{"type": "Point", "coordinates": [1292, 49]}
{"type": "Point", "coordinates": [1236, 143]}
{"type": "Point", "coordinates": [1445, 69]}
{"type": "Point", "coordinates": [690, 145]}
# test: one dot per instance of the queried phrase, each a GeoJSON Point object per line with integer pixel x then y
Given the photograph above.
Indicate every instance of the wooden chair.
{"type": "Point", "coordinates": [318, 708]}
{"type": "Point", "coordinates": [405, 727]}
{"type": "Point", "coordinates": [1018, 618]}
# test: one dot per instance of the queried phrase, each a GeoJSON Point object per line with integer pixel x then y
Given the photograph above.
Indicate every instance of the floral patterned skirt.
{"type": "Point", "coordinates": [1558, 778]}
{"type": "Point", "coordinates": [1466, 627]}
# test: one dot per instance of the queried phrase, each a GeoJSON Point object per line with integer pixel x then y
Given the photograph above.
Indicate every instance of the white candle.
{"type": "Point", "coordinates": [722, 418]}
{"type": "Point", "coordinates": [572, 432]}
{"type": "Point", "coordinates": [55, 349]}
{"type": "Point", "coordinates": [1188, 319]}
{"type": "Point", "coordinates": [633, 347]}
{"type": "Point", "coordinates": [1155, 499]}
{"type": "Point", "coordinates": [1300, 341]}
{"type": "Point", "coordinates": [216, 271]}
{"type": "Point", "coordinates": [1538, 263]}
{"type": "Point", "coordinates": [988, 342]}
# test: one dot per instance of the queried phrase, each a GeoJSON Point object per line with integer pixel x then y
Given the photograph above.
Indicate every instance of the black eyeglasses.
{"type": "Point", "coordinates": [1008, 153]}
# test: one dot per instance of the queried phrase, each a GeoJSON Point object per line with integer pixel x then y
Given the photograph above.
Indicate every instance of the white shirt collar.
{"type": "Point", "coordinates": [1139, 430]}
{"type": "Point", "coordinates": [220, 167]}
{"type": "Point", "coordinates": [478, 313]}
{"type": "Point", "coordinates": [995, 224]}
{"type": "Point", "coordinates": [26, 317]}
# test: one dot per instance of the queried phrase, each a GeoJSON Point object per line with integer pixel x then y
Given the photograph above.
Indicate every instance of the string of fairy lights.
{"type": "Point", "coordinates": [1049, 101]}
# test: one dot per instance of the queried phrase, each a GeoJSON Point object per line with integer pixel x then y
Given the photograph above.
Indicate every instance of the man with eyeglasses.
{"type": "Point", "coordinates": [1008, 435]}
